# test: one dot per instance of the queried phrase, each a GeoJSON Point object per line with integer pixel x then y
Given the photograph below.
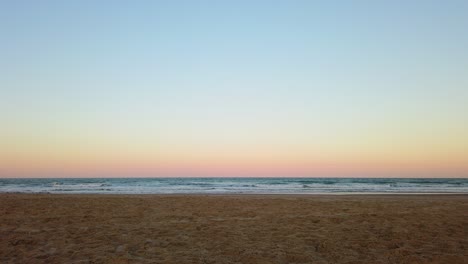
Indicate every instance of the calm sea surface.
{"type": "Point", "coordinates": [234, 185]}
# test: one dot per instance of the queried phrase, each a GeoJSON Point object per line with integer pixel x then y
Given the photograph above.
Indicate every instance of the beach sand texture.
{"type": "Point", "coordinates": [44, 228]}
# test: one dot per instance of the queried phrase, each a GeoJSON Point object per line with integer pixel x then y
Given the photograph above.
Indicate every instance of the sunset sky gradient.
{"type": "Point", "coordinates": [234, 88]}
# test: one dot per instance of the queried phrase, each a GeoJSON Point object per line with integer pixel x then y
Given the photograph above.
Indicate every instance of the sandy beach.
{"type": "Point", "coordinates": [45, 228]}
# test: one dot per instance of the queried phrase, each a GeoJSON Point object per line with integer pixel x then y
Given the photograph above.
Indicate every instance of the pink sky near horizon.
{"type": "Point", "coordinates": [229, 168]}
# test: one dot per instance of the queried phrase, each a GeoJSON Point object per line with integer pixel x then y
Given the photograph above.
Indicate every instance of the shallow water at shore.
{"type": "Point", "coordinates": [234, 185]}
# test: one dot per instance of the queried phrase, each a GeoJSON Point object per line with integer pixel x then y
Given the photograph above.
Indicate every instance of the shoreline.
{"type": "Point", "coordinates": [238, 186]}
{"type": "Point", "coordinates": [361, 194]}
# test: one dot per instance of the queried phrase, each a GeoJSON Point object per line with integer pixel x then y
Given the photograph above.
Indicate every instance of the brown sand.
{"type": "Point", "coordinates": [233, 229]}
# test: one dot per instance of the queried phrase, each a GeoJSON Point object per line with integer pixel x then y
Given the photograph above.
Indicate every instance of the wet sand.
{"type": "Point", "coordinates": [46, 228]}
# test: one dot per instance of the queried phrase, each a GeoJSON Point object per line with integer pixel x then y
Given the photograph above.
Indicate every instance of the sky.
{"type": "Point", "coordinates": [233, 88]}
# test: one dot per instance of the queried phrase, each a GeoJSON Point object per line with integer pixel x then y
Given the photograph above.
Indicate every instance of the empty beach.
{"type": "Point", "coordinates": [58, 228]}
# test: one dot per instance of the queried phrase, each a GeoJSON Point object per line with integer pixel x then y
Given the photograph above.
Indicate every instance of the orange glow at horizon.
{"type": "Point", "coordinates": [120, 165]}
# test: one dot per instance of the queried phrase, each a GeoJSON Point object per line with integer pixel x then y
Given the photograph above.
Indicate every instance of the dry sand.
{"type": "Point", "coordinates": [43, 228]}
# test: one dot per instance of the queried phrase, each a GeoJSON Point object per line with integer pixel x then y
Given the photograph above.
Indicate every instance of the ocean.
{"type": "Point", "coordinates": [234, 185]}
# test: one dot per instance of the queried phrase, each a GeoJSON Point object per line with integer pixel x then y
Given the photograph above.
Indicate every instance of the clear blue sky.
{"type": "Point", "coordinates": [305, 81]}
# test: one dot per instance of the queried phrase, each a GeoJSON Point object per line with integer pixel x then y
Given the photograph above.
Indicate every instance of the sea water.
{"type": "Point", "coordinates": [234, 185]}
